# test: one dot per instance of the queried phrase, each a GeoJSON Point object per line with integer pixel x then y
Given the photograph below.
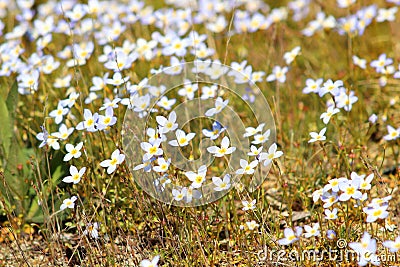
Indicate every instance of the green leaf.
{"type": "Point", "coordinates": [5, 130]}
{"type": "Point", "coordinates": [35, 212]}
{"type": "Point", "coordinates": [56, 176]}
{"type": "Point", "coordinates": [8, 109]}
{"type": "Point", "coordinates": [17, 179]}
{"type": "Point", "coordinates": [12, 101]}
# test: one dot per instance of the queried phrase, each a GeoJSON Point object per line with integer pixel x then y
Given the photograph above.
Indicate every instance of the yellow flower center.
{"type": "Point", "coordinates": [114, 162]}
{"type": "Point", "coordinates": [153, 150]}
{"type": "Point", "coordinates": [255, 23]}
{"type": "Point", "coordinates": [116, 31]}
{"type": "Point", "coordinates": [107, 120]}
{"type": "Point", "coordinates": [182, 140]}
{"type": "Point", "coordinates": [347, 27]}
{"type": "Point", "coordinates": [201, 53]}
{"type": "Point", "coordinates": [199, 179]}
{"type": "Point", "coordinates": [350, 190]}
{"type": "Point", "coordinates": [222, 150]}
{"type": "Point", "coordinates": [90, 122]}
{"type": "Point", "coordinates": [75, 177]}
{"type": "Point", "coordinates": [377, 213]}
{"type": "Point", "coordinates": [177, 45]}
{"type": "Point", "coordinates": [84, 54]}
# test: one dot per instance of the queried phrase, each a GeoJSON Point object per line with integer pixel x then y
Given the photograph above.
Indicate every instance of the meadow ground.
{"type": "Point", "coordinates": [199, 133]}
